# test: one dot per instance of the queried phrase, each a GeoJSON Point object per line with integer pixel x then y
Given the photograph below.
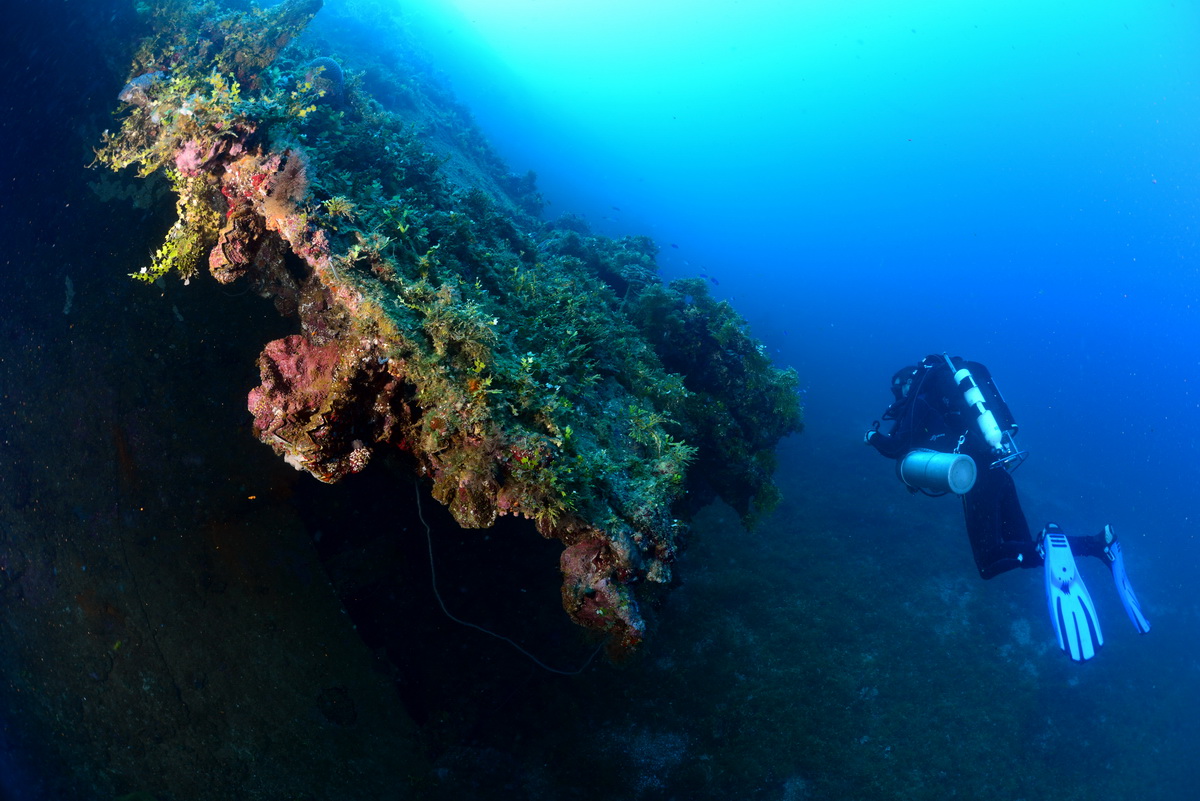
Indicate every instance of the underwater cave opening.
{"type": "Point", "coordinates": [296, 267]}
{"type": "Point", "coordinates": [370, 539]}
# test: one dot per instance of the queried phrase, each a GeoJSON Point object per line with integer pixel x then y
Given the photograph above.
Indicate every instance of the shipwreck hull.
{"type": "Point", "coordinates": [521, 367]}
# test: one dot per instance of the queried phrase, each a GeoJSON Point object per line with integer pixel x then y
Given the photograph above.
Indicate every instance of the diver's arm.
{"type": "Point", "coordinates": [890, 445]}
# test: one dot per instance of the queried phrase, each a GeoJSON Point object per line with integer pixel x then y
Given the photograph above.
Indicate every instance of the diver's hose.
{"type": "Point", "coordinates": [446, 612]}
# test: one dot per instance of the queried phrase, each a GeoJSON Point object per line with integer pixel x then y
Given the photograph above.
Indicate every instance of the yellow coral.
{"type": "Point", "coordinates": [190, 237]}
{"type": "Point", "coordinates": [339, 206]}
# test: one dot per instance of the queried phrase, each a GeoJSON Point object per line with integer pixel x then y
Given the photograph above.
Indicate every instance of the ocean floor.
{"type": "Point", "coordinates": [846, 650]}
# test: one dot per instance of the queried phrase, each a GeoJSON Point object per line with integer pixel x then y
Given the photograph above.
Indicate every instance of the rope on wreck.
{"type": "Point", "coordinates": [461, 622]}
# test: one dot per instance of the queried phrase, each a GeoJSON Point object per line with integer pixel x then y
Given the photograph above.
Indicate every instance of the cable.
{"type": "Point", "coordinates": [446, 612]}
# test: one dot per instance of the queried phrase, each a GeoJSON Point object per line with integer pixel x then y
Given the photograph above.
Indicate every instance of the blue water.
{"type": "Point", "coordinates": [868, 183]}
{"type": "Point", "coordinates": [873, 181]}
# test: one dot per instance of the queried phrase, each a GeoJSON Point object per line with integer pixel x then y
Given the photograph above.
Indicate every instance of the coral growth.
{"type": "Point", "coordinates": [528, 368]}
{"type": "Point", "coordinates": [308, 399]}
{"type": "Point", "coordinates": [325, 75]}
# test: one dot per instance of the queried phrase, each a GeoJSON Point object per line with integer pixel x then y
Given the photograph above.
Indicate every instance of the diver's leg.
{"type": "Point", "coordinates": [1089, 545]}
{"type": "Point", "coordinates": [996, 526]}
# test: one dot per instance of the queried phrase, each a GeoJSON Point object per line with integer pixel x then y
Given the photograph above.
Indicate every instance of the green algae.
{"type": "Point", "coordinates": [531, 368]}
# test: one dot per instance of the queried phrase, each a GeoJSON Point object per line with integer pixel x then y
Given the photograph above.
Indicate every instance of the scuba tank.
{"type": "Point", "coordinates": [934, 471]}
{"type": "Point", "coordinates": [964, 404]}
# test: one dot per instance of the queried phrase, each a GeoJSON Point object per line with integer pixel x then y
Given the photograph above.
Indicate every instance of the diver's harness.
{"type": "Point", "coordinates": [992, 420]}
{"type": "Point", "coordinates": [999, 433]}
{"type": "Point", "coordinates": [1001, 440]}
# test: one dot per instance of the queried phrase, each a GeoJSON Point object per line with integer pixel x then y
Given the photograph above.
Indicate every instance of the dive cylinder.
{"type": "Point", "coordinates": [937, 471]}
{"type": "Point", "coordinates": [973, 395]}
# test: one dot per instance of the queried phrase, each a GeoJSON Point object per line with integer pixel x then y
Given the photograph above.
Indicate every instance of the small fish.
{"type": "Point", "coordinates": [135, 92]}
{"type": "Point", "coordinates": [715, 282]}
{"type": "Point", "coordinates": [615, 208]}
{"type": "Point", "coordinates": [675, 246]}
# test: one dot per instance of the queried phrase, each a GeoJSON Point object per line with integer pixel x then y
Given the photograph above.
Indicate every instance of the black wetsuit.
{"type": "Point", "coordinates": [934, 415]}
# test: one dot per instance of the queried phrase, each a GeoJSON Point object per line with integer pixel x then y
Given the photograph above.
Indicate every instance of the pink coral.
{"type": "Point", "coordinates": [189, 159]}
{"type": "Point", "coordinates": [296, 378]}
{"type": "Point", "coordinates": [192, 156]}
{"type": "Point", "coordinates": [593, 594]}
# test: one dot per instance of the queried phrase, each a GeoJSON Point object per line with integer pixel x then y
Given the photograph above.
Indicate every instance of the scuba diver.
{"type": "Point", "coordinates": [953, 432]}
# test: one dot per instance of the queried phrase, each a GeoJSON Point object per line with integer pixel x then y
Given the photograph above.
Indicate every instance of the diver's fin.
{"type": "Point", "coordinates": [1071, 611]}
{"type": "Point", "coordinates": [1116, 559]}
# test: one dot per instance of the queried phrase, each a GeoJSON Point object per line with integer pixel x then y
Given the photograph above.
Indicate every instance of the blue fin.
{"type": "Point", "coordinates": [1071, 610]}
{"type": "Point", "coordinates": [1121, 579]}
